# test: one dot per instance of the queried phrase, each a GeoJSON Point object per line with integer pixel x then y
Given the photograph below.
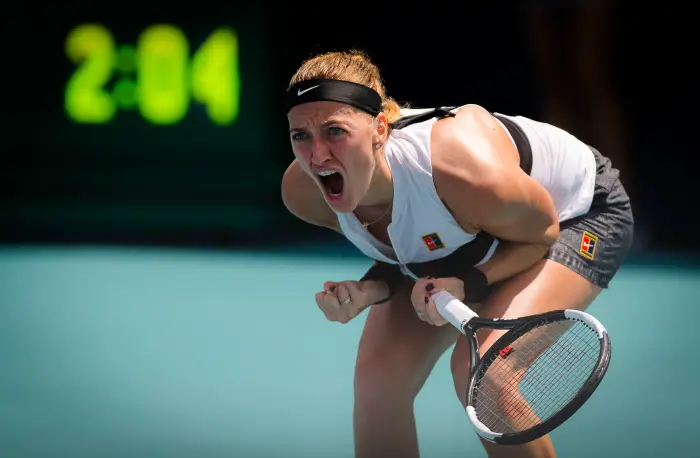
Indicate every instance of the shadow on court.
{"type": "Point", "coordinates": [156, 353]}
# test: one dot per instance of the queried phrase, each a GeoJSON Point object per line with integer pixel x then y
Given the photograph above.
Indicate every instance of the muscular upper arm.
{"type": "Point", "coordinates": [304, 200]}
{"type": "Point", "coordinates": [477, 173]}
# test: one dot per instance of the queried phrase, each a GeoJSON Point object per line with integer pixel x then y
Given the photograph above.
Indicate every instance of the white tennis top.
{"type": "Point", "coordinates": [422, 229]}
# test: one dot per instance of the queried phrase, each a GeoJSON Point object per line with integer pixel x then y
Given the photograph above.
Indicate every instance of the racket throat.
{"type": "Point", "coordinates": [474, 356]}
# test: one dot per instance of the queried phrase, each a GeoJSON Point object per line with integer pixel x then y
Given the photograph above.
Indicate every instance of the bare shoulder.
{"type": "Point", "coordinates": [304, 200]}
{"type": "Point", "coordinates": [471, 156]}
{"type": "Point", "coordinates": [472, 144]}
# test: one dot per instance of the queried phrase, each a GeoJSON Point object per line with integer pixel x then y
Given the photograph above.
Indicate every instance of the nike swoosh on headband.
{"type": "Point", "coordinates": [300, 92]}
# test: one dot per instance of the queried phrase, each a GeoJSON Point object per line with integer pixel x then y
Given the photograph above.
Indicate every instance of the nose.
{"type": "Point", "coordinates": [320, 153]}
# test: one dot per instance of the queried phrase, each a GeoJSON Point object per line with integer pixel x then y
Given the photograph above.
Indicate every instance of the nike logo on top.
{"type": "Point", "coordinates": [300, 92]}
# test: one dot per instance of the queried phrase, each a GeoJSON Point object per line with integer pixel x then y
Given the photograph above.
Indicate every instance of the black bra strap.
{"type": "Point", "coordinates": [522, 144]}
{"type": "Point", "coordinates": [413, 119]}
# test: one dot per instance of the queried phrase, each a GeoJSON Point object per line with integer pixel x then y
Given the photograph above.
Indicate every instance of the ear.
{"type": "Point", "coordinates": [382, 128]}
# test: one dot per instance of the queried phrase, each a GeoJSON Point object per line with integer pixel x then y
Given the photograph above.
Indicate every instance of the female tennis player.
{"type": "Point", "coordinates": [512, 216]}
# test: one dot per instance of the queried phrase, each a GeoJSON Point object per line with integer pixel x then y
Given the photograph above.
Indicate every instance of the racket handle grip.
{"type": "Point", "coordinates": [453, 310]}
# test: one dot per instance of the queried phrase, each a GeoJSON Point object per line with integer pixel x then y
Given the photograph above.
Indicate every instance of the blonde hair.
{"type": "Point", "coordinates": [353, 66]}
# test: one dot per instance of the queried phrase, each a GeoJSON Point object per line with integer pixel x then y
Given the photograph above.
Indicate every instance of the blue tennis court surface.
{"type": "Point", "coordinates": [131, 353]}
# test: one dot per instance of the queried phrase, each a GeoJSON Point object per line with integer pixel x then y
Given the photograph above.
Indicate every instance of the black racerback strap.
{"type": "Point", "coordinates": [420, 117]}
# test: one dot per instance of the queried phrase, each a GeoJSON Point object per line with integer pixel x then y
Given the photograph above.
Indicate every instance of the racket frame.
{"type": "Point", "coordinates": [517, 327]}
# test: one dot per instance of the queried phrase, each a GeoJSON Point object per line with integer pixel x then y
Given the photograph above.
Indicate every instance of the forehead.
{"type": "Point", "coordinates": [320, 112]}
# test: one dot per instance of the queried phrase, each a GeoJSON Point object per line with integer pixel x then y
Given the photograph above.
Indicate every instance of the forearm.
{"type": "Point", "coordinates": [376, 291]}
{"type": "Point", "coordinates": [381, 281]}
{"type": "Point", "coordinates": [511, 258]}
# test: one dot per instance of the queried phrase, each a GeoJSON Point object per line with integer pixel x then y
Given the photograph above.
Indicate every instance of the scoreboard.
{"type": "Point", "coordinates": [149, 120]}
{"type": "Point", "coordinates": [156, 76]}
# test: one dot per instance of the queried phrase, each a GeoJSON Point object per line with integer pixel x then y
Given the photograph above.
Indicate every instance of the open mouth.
{"type": "Point", "coordinates": [332, 181]}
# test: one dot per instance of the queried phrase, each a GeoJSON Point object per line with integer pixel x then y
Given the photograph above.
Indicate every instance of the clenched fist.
{"type": "Point", "coordinates": [423, 290]}
{"type": "Point", "coordinates": [343, 301]}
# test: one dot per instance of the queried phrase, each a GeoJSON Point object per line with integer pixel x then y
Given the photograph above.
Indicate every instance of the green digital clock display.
{"type": "Point", "coordinates": [148, 123]}
{"type": "Point", "coordinates": [160, 75]}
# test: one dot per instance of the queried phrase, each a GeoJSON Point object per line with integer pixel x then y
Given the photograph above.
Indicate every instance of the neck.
{"type": "Point", "coordinates": [381, 189]}
{"type": "Point", "coordinates": [377, 203]}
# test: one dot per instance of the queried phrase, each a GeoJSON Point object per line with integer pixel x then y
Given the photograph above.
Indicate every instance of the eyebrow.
{"type": "Point", "coordinates": [327, 123]}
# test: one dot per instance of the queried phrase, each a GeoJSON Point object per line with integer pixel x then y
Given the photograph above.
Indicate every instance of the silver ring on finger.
{"type": "Point", "coordinates": [420, 313]}
{"type": "Point", "coordinates": [346, 300]}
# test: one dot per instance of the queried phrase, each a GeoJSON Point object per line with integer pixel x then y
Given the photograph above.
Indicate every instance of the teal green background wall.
{"type": "Point", "coordinates": [118, 353]}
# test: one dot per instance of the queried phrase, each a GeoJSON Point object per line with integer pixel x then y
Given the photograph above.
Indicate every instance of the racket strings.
{"type": "Point", "coordinates": [547, 367]}
{"type": "Point", "coordinates": [518, 408]}
{"type": "Point", "coordinates": [515, 406]}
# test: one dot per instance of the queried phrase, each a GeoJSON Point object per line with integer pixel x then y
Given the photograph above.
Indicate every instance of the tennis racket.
{"type": "Point", "coordinates": [535, 376]}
